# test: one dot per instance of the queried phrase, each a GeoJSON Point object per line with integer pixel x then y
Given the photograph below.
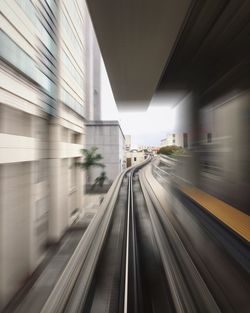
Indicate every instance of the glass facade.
{"type": "Point", "coordinates": [14, 55]}
{"type": "Point", "coordinates": [44, 69]}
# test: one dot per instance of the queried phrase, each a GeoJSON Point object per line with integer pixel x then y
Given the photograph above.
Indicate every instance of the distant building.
{"type": "Point", "coordinates": [163, 142]}
{"type": "Point", "coordinates": [93, 68]}
{"type": "Point", "coordinates": [135, 157]}
{"type": "Point", "coordinates": [108, 137]}
{"type": "Point", "coordinates": [154, 150]}
{"type": "Point", "coordinates": [146, 148]}
{"type": "Point", "coordinates": [127, 142]}
{"type": "Point", "coordinates": [175, 139]}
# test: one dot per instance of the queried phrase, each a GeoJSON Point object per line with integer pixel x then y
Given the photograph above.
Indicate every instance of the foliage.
{"type": "Point", "coordinates": [170, 150]}
{"type": "Point", "coordinates": [100, 180]}
{"type": "Point", "coordinates": [91, 158]}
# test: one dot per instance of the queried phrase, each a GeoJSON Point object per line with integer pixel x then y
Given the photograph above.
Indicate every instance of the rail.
{"type": "Point", "coordinates": [86, 256]}
{"type": "Point", "coordinates": [131, 304]}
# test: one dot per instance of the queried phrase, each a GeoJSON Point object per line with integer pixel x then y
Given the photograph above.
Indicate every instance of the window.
{"type": "Point", "coordinates": [17, 57]}
{"type": "Point", "coordinates": [135, 159]}
{"type": "Point", "coordinates": [71, 102]}
{"type": "Point", "coordinates": [47, 39]}
{"type": "Point", "coordinates": [28, 9]}
{"type": "Point", "coordinates": [71, 68]}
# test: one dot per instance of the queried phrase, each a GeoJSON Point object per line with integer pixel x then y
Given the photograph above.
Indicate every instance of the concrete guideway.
{"type": "Point", "coordinates": [221, 257]}
{"type": "Point", "coordinates": [186, 283]}
{"type": "Point", "coordinates": [143, 235]}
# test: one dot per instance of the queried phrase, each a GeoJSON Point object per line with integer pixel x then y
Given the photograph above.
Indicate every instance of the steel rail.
{"type": "Point", "coordinates": [132, 298]}
{"type": "Point", "coordinates": [135, 307]}
{"type": "Point", "coordinates": [131, 279]}
{"type": "Point", "coordinates": [127, 255]}
{"type": "Point", "coordinates": [64, 297]}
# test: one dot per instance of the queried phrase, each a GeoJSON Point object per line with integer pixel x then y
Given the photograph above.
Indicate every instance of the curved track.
{"type": "Point", "coordinates": [132, 260]}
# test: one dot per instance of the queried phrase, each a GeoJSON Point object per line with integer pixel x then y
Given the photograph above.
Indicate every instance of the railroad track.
{"type": "Point", "coordinates": [131, 259]}
{"type": "Point", "coordinates": [97, 277]}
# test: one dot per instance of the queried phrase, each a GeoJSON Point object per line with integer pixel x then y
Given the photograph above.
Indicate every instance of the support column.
{"type": "Point", "coordinates": [55, 228]}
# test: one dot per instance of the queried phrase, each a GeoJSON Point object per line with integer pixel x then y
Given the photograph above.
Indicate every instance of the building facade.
{"type": "Point", "coordinates": [108, 137]}
{"type": "Point", "coordinates": [134, 157]}
{"type": "Point", "coordinates": [127, 142]}
{"type": "Point", "coordinates": [175, 139]}
{"type": "Point", "coordinates": [42, 113]}
{"type": "Point", "coordinates": [93, 68]}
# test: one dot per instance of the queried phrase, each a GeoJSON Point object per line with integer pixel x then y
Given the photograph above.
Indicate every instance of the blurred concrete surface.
{"type": "Point", "coordinates": [39, 285]}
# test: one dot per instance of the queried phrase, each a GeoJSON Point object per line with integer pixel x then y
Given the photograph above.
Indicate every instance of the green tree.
{"type": "Point", "coordinates": [170, 150]}
{"type": "Point", "coordinates": [100, 180]}
{"type": "Point", "coordinates": [91, 159]}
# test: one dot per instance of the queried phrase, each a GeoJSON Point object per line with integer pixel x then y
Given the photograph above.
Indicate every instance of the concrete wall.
{"type": "Point", "coordinates": [108, 137]}
{"type": "Point", "coordinates": [218, 158]}
{"type": "Point", "coordinates": [16, 213]}
{"type": "Point", "coordinates": [128, 142]}
{"type": "Point", "coordinates": [183, 125]}
{"type": "Point", "coordinates": [136, 157]}
{"type": "Point", "coordinates": [24, 182]}
{"type": "Point", "coordinates": [224, 158]}
{"type": "Point", "coordinates": [42, 113]}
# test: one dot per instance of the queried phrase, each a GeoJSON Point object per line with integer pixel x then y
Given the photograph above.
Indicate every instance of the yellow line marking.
{"type": "Point", "coordinates": [232, 217]}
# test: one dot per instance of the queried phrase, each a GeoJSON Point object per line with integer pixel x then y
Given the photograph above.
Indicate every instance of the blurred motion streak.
{"type": "Point", "coordinates": [193, 58]}
{"type": "Point", "coordinates": [43, 107]}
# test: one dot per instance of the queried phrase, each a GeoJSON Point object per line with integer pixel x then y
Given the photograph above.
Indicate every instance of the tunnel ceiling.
{"type": "Point", "coordinates": [136, 38]}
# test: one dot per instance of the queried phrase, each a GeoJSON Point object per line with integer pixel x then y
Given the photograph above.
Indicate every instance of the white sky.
{"type": "Point", "coordinates": [145, 128]}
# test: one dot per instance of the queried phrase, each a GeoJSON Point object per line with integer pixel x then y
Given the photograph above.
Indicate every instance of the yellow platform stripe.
{"type": "Point", "coordinates": [238, 221]}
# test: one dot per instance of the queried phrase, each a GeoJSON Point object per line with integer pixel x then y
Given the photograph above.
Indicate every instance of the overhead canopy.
{"type": "Point", "coordinates": [212, 57]}
{"type": "Point", "coordinates": [136, 38]}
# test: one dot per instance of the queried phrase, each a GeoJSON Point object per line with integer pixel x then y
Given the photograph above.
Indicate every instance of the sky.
{"type": "Point", "coordinates": [145, 128]}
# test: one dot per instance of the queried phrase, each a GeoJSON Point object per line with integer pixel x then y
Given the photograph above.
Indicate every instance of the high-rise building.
{"type": "Point", "coordinates": [107, 136]}
{"type": "Point", "coordinates": [93, 68]}
{"type": "Point", "coordinates": [42, 112]}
